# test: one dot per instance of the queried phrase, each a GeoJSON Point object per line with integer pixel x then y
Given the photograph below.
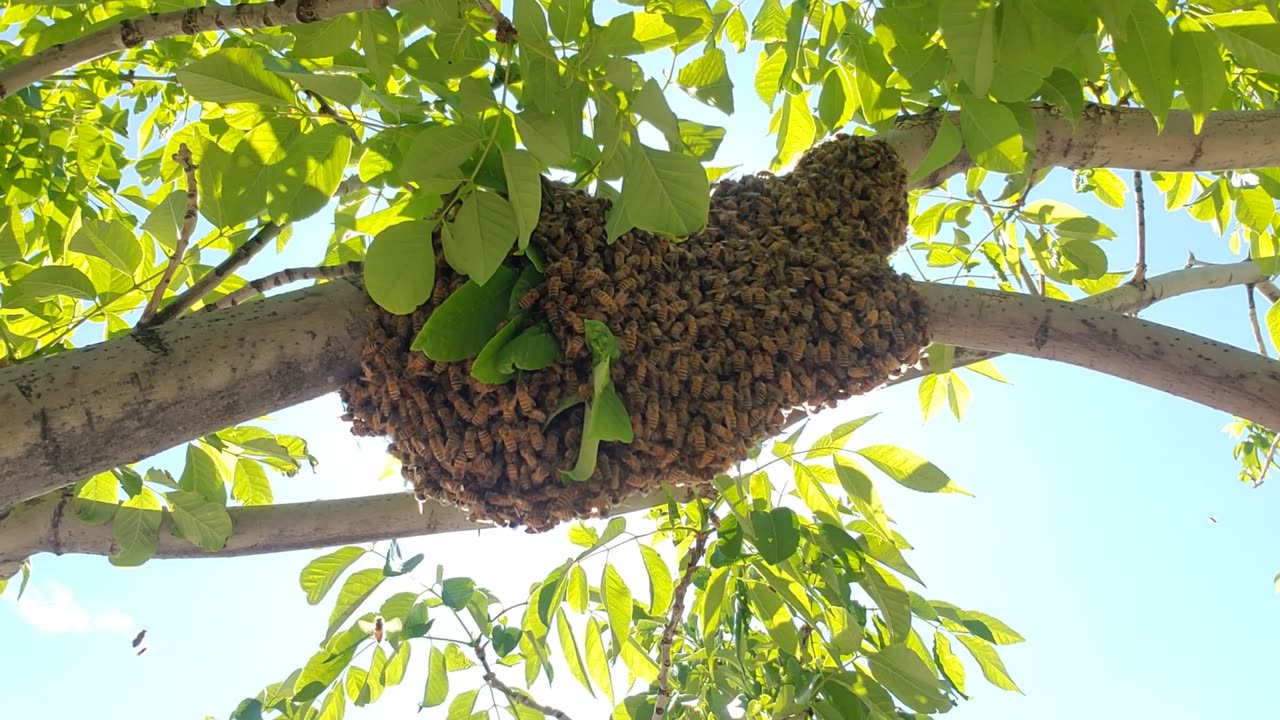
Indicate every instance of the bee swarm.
{"type": "Point", "coordinates": [783, 305]}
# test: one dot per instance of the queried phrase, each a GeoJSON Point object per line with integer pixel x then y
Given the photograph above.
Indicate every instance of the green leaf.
{"type": "Point", "coordinates": [463, 704]}
{"type": "Point", "coordinates": [334, 707]}
{"type": "Point", "coordinates": [1063, 90]}
{"type": "Point", "coordinates": [796, 130]}
{"type": "Point", "coordinates": [713, 602]}
{"type": "Point", "coordinates": [393, 672]}
{"type": "Point", "coordinates": [97, 497]}
{"type": "Point", "coordinates": [991, 135]}
{"type": "Point", "coordinates": [1253, 37]}
{"type": "Point", "coordinates": [567, 19]}
{"type": "Point", "coordinates": [770, 24]}
{"type": "Point", "coordinates": [200, 475]}
{"type": "Point", "coordinates": [1202, 74]}
{"type": "Point", "coordinates": [380, 43]}
{"type": "Point", "coordinates": [891, 598]}
{"type": "Point", "coordinates": [320, 574]}
{"type": "Point", "coordinates": [545, 136]}
{"type": "Point", "coordinates": [250, 485]}
{"type": "Point", "coordinates": [533, 349]}
{"type": "Point", "coordinates": [996, 631]}
{"type": "Point", "coordinates": [901, 671]}
{"type": "Point", "coordinates": [1273, 324]}
{"type": "Point", "coordinates": [577, 592]}
{"type": "Point", "coordinates": [639, 662]}
{"type": "Point", "coordinates": [136, 528]}
{"type": "Point", "coordinates": [989, 661]}
{"type": "Point", "coordinates": [204, 523]}
{"type": "Point", "coordinates": [775, 616]}
{"type": "Point", "coordinates": [776, 534]}
{"type": "Point", "coordinates": [1108, 187]}
{"type": "Point", "coordinates": [1145, 50]}
{"type": "Point", "coordinates": [583, 536]}
{"type": "Point", "coordinates": [235, 75]}
{"type": "Point", "coordinates": [665, 192]}
{"type": "Point", "coordinates": [572, 656]}
{"type": "Point", "coordinates": [597, 660]}
{"type": "Point", "coordinates": [112, 241]}
{"type": "Point", "coordinates": [325, 38]}
{"type": "Point", "coordinates": [166, 218]}
{"type": "Point", "coordinates": [478, 239]}
{"type": "Point", "coordinates": [524, 192]}
{"type": "Point", "coordinates": [769, 71]}
{"type": "Point", "coordinates": [948, 661]}
{"type": "Point", "coordinates": [304, 182]}
{"type": "Point", "coordinates": [836, 102]}
{"type": "Point", "coordinates": [50, 281]}
{"type": "Point", "coordinates": [489, 366]}
{"type": "Point", "coordinates": [969, 30]}
{"type": "Point", "coordinates": [357, 588]}
{"type": "Point", "coordinates": [457, 592]}
{"type": "Point", "coordinates": [708, 80]}
{"type": "Point", "coordinates": [661, 585]}
{"type": "Point", "coordinates": [437, 688]}
{"type": "Point", "coordinates": [617, 602]}
{"type": "Point", "coordinates": [467, 319]}
{"type": "Point", "coordinates": [945, 147]}
{"type": "Point", "coordinates": [505, 640]}
{"type": "Point", "coordinates": [609, 420]}
{"type": "Point", "coordinates": [909, 469]}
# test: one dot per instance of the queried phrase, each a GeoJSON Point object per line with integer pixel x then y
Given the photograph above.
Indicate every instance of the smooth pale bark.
{"type": "Point", "coordinates": [1132, 299]}
{"type": "Point", "coordinates": [1189, 366]}
{"type": "Point", "coordinates": [46, 524]}
{"type": "Point", "coordinates": [135, 31]}
{"type": "Point", "coordinates": [1114, 137]}
{"type": "Point", "coordinates": [84, 411]}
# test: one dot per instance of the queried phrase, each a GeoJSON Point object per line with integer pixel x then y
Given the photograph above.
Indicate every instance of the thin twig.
{"type": "Point", "coordinates": [669, 633]}
{"type": "Point", "coordinates": [1266, 464]}
{"type": "Point", "coordinates": [515, 697]}
{"type": "Point", "coordinates": [189, 217]}
{"type": "Point", "coordinates": [329, 111]}
{"type": "Point", "coordinates": [1266, 287]}
{"type": "Point", "coordinates": [206, 284]}
{"type": "Point", "coordinates": [290, 275]}
{"type": "Point", "coordinates": [1253, 320]}
{"type": "Point", "coordinates": [506, 32]}
{"type": "Point", "coordinates": [1140, 204]}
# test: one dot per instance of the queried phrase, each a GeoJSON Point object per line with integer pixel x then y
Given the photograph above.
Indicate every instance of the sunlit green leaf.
{"type": "Point", "coordinates": [320, 574]}
{"type": "Point", "coordinates": [989, 661]}
{"type": "Point", "coordinates": [204, 523]}
{"type": "Point", "coordinates": [910, 469]}
{"type": "Point", "coordinates": [235, 75]}
{"type": "Point", "coordinates": [467, 319]}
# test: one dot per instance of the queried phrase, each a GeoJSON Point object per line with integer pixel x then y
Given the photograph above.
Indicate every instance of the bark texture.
{"type": "Point", "coordinates": [1183, 364]}
{"type": "Point", "coordinates": [132, 32]}
{"type": "Point", "coordinates": [117, 402]}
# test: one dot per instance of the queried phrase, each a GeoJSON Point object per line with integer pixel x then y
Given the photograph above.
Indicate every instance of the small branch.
{"type": "Point", "coordinates": [132, 32]}
{"type": "Point", "coordinates": [506, 32]}
{"type": "Point", "coordinates": [291, 275]}
{"type": "Point", "coordinates": [1263, 285]}
{"type": "Point", "coordinates": [208, 283]}
{"type": "Point", "coordinates": [669, 633]}
{"type": "Point", "coordinates": [33, 527]}
{"type": "Point", "coordinates": [1140, 204]}
{"type": "Point", "coordinates": [330, 112]}
{"type": "Point", "coordinates": [189, 217]}
{"type": "Point", "coordinates": [1266, 464]}
{"type": "Point", "coordinates": [1253, 320]}
{"type": "Point", "coordinates": [515, 697]}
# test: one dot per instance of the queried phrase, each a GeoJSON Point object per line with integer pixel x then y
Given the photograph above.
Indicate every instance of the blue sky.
{"type": "Point", "coordinates": [1089, 534]}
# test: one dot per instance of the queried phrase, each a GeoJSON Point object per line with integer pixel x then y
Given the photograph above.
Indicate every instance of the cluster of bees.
{"type": "Point", "coordinates": [783, 305]}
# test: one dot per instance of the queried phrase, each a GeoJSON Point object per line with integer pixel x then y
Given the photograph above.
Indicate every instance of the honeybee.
{"type": "Point", "coordinates": [553, 287]}
{"type": "Point", "coordinates": [393, 389]}
{"type": "Point", "coordinates": [798, 345]}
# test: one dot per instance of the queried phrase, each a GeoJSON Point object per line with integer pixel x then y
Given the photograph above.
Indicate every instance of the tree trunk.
{"type": "Point", "coordinates": [84, 411]}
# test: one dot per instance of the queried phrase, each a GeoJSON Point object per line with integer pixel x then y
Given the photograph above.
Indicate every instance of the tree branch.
{"type": "Point", "coordinates": [189, 217]}
{"type": "Point", "coordinates": [290, 275]}
{"type": "Point", "coordinates": [673, 621]}
{"type": "Point", "coordinates": [45, 525]}
{"type": "Point", "coordinates": [132, 32]}
{"type": "Point", "coordinates": [1131, 299]}
{"type": "Point", "coordinates": [1182, 364]}
{"type": "Point", "coordinates": [209, 282]}
{"type": "Point", "coordinates": [515, 697]}
{"type": "Point", "coordinates": [1114, 137]}
{"type": "Point", "coordinates": [1140, 209]}
{"type": "Point", "coordinates": [65, 417]}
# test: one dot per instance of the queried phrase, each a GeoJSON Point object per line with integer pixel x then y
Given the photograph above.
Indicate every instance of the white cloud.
{"type": "Point", "coordinates": [51, 607]}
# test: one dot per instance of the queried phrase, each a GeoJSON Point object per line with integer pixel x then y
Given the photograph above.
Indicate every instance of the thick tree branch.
{"type": "Point", "coordinates": [41, 525]}
{"type": "Point", "coordinates": [1182, 364]}
{"type": "Point", "coordinates": [77, 413]}
{"type": "Point", "coordinates": [1131, 299]}
{"type": "Point", "coordinates": [130, 33]}
{"type": "Point", "coordinates": [1113, 137]}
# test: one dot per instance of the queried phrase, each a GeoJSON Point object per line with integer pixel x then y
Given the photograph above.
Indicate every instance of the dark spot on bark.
{"type": "Point", "coordinates": [135, 381]}
{"type": "Point", "coordinates": [151, 340]}
{"type": "Point", "coordinates": [55, 521]}
{"type": "Point", "coordinates": [49, 443]}
{"type": "Point", "coordinates": [24, 387]}
{"type": "Point", "coordinates": [1041, 336]}
{"type": "Point", "coordinates": [191, 21]}
{"type": "Point", "coordinates": [4, 91]}
{"type": "Point", "coordinates": [89, 419]}
{"type": "Point", "coordinates": [130, 34]}
{"type": "Point", "coordinates": [1197, 149]}
{"type": "Point", "coordinates": [307, 11]}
